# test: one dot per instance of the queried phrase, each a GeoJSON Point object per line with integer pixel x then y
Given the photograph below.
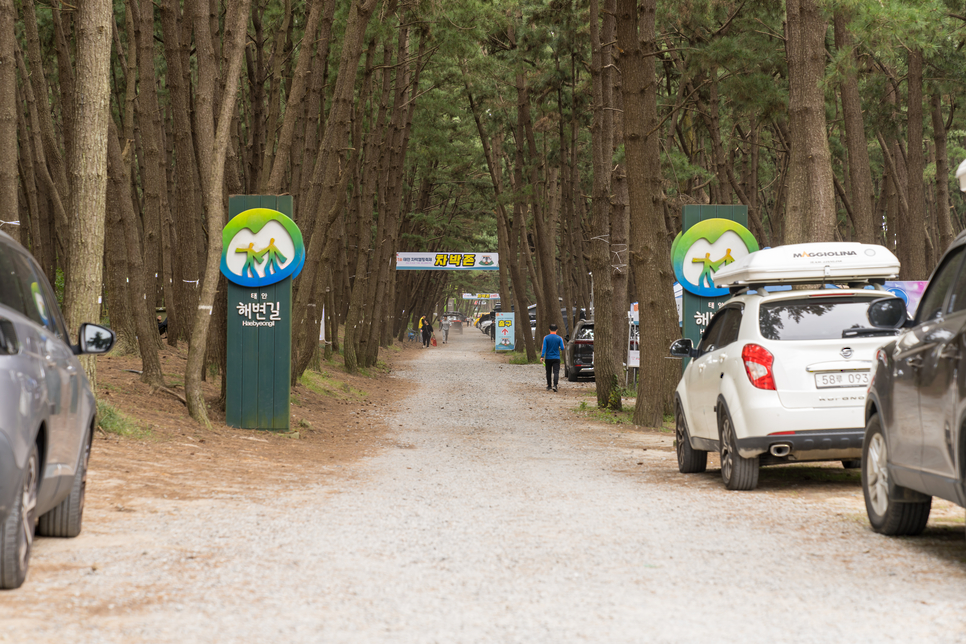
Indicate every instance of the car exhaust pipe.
{"type": "Point", "coordinates": [780, 449]}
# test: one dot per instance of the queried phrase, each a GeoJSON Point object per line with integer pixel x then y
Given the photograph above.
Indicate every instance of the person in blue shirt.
{"type": "Point", "coordinates": [550, 356]}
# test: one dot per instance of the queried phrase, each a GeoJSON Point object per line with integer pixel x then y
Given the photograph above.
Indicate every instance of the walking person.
{"type": "Point", "coordinates": [427, 330]}
{"type": "Point", "coordinates": [444, 327]}
{"type": "Point", "coordinates": [550, 356]}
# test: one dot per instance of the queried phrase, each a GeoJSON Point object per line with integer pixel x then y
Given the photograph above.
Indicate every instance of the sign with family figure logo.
{"type": "Point", "coordinates": [712, 237]}
{"type": "Point", "coordinates": [262, 251]}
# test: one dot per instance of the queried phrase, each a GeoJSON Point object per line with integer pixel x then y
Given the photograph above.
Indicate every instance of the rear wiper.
{"type": "Point", "coordinates": [867, 332]}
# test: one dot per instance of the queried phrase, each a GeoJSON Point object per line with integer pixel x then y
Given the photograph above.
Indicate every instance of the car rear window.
{"type": "Point", "coordinates": [813, 318]}
{"type": "Point", "coordinates": [585, 333]}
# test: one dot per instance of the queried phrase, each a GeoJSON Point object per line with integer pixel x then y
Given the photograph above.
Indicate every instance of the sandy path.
{"type": "Point", "coordinates": [497, 517]}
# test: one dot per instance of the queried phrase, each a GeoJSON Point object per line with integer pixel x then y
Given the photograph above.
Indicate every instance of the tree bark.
{"type": "Point", "coordinates": [141, 309]}
{"type": "Point", "coordinates": [945, 224]}
{"type": "Point", "coordinates": [327, 177]}
{"type": "Point", "coordinates": [607, 359]}
{"type": "Point", "coordinates": [912, 252]}
{"type": "Point", "coordinates": [650, 257]}
{"type": "Point", "coordinates": [860, 170]}
{"type": "Point", "coordinates": [9, 174]}
{"type": "Point", "coordinates": [214, 148]}
{"type": "Point", "coordinates": [811, 194]}
{"type": "Point", "coordinates": [293, 104]}
{"type": "Point", "coordinates": [88, 169]}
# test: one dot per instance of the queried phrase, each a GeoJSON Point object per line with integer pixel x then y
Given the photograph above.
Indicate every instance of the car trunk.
{"type": "Point", "coordinates": [815, 367]}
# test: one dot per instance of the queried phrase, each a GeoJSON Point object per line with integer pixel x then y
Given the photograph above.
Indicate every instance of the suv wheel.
{"type": "Point", "coordinates": [17, 532]}
{"type": "Point", "coordinates": [65, 519]}
{"type": "Point", "coordinates": [572, 374]}
{"type": "Point", "coordinates": [887, 514]}
{"type": "Point", "coordinates": [690, 460]}
{"type": "Point", "coordinates": [737, 472]}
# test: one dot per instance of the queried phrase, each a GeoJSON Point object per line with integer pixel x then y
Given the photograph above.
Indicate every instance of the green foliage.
{"type": "Point", "coordinates": [59, 287]}
{"type": "Point", "coordinates": [614, 398]}
{"type": "Point", "coordinates": [112, 421]}
{"type": "Point", "coordinates": [520, 357]}
{"type": "Point", "coordinates": [325, 384]}
{"type": "Point", "coordinates": [613, 417]}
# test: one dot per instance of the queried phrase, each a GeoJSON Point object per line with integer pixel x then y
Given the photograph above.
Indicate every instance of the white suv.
{"type": "Point", "coordinates": [781, 375]}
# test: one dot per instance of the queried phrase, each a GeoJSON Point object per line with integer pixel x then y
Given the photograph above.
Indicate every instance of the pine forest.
{"type": "Point", "coordinates": [566, 135]}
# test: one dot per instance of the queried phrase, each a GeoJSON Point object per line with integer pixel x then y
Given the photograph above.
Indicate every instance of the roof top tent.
{"type": "Point", "coordinates": [817, 263]}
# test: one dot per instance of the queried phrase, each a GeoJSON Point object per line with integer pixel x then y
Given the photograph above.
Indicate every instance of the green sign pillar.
{"type": "Point", "coordinates": [711, 237]}
{"type": "Point", "coordinates": [262, 252]}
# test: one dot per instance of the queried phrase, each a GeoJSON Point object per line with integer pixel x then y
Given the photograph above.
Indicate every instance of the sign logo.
{"type": "Point", "coordinates": [707, 246]}
{"type": "Point", "coordinates": [261, 247]}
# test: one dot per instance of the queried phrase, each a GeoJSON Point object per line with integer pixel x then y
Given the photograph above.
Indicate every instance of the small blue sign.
{"type": "Point", "coordinates": [505, 333]}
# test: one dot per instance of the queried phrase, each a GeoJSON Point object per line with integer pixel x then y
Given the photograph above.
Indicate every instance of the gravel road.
{"type": "Point", "coordinates": [498, 516]}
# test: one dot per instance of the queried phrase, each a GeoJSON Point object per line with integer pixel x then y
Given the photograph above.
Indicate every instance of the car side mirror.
{"type": "Point", "coordinates": [682, 348]}
{"type": "Point", "coordinates": [94, 338]}
{"type": "Point", "coordinates": [888, 313]}
{"type": "Point", "coordinates": [567, 338]}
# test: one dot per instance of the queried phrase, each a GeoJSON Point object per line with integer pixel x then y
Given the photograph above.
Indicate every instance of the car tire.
{"type": "Point", "coordinates": [852, 464]}
{"type": "Point", "coordinates": [887, 514]}
{"type": "Point", "coordinates": [737, 472]}
{"type": "Point", "coordinates": [17, 532]}
{"type": "Point", "coordinates": [572, 375]}
{"type": "Point", "coordinates": [65, 519]}
{"type": "Point", "coordinates": [690, 460]}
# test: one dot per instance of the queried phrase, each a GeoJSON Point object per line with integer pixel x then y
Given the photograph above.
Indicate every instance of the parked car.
{"type": "Point", "coordinates": [780, 376]}
{"type": "Point", "coordinates": [485, 325]}
{"type": "Point", "coordinates": [580, 351]}
{"type": "Point", "coordinates": [915, 443]}
{"type": "Point", "coordinates": [46, 413]}
{"type": "Point", "coordinates": [565, 316]}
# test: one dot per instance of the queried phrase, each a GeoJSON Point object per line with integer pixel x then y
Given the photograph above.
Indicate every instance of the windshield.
{"type": "Point", "coordinates": [813, 318]}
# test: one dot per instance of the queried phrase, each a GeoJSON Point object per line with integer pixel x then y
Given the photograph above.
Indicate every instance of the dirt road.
{"type": "Point", "coordinates": [496, 515]}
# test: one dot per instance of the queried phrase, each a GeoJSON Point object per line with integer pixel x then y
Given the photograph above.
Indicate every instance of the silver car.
{"type": "Point", "coordinates": [46, 413]}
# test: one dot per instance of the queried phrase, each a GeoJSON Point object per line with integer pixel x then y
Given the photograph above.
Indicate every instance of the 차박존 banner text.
{"type": "Point", "coordinates": [447, 261]}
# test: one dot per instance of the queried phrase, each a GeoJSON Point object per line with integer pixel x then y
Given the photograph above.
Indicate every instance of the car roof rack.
{"type": "Point", "coordinates": [849, 263]}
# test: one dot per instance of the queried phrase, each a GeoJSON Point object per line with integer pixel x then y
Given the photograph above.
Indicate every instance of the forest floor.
{"type": "Point", "coordinates": [337, 418]}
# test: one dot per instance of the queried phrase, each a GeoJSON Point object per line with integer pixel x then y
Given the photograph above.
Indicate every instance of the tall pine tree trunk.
{"type": "Point", "coordinates": [213, 147]}
{"type": "Point", "coordinates": [860, 170]}
{"type": "Point", "coordinates": [650, 256]}
{"type": "Point", "coordinates": [810, 214]}
{"type": "Point", "coordinates": [914, 237]}
{"type": "Point", "coordinates": [607, 359]}
{"type": "Point", "coordinates": [88, 168]}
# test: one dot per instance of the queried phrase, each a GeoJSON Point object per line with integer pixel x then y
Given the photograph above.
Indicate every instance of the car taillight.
{"type": "Point", "coordinates": [583, 341]}
{"type": "Point", "coordinates": [758, 361]}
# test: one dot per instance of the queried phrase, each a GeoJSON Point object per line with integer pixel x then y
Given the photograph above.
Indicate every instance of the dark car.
{"type": "Point", "coordinates": [46, 413]}
{"type": "Point", "coordinates": [580, 351]}
{"type": "Point", "coordinates": [915, 443]}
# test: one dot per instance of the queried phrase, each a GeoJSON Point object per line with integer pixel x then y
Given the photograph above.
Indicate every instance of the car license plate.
{"type": "Point", "coordinates": [846, 379]}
